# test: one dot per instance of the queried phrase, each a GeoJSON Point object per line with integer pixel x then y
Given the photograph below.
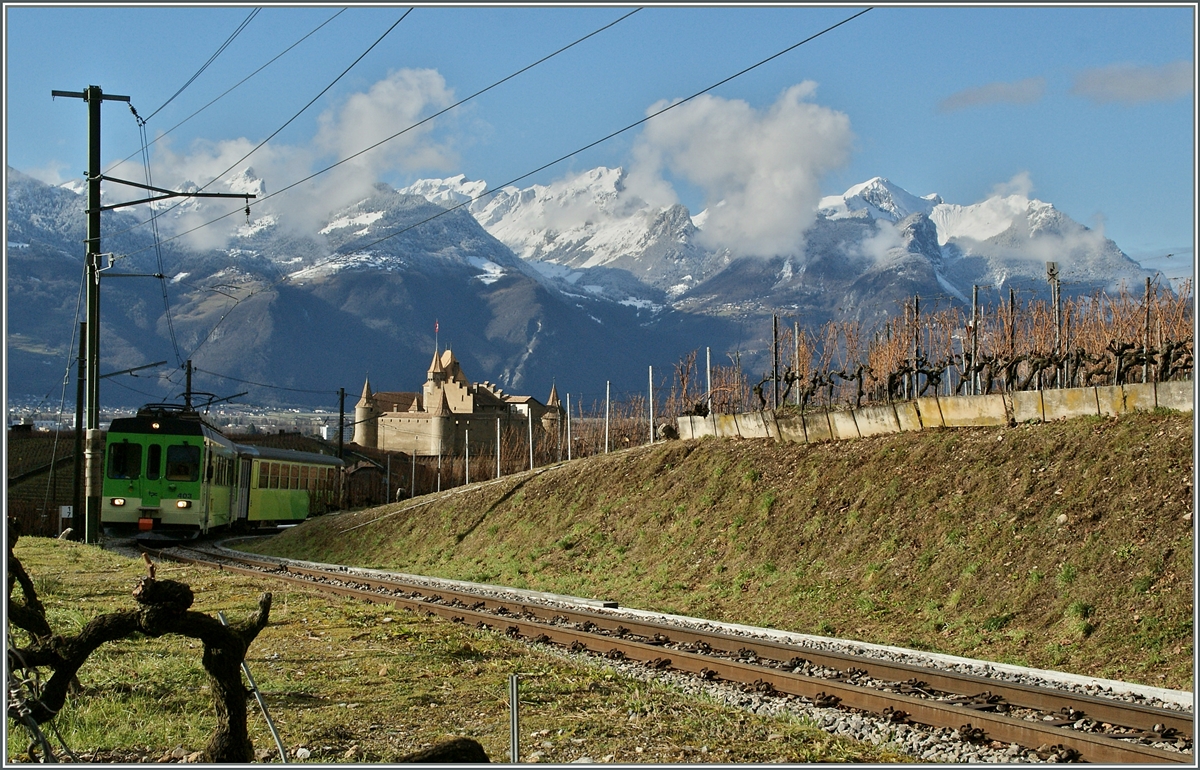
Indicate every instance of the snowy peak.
{"type": "Point", "coordinates": [877, 198]}
{"type": "Point", "coordinates": [996, 215]}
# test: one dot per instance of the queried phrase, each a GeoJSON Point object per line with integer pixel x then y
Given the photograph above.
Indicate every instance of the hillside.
{"type": "Point", "coordinates": [1065, 545]}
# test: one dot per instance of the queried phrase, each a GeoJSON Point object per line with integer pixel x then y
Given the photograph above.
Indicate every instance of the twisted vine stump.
{"type": "Point", "coordinates": [164, 609]}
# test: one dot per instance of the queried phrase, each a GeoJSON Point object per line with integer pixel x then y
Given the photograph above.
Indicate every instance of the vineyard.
{"type": "Point", "coordinates": [1102, 339]}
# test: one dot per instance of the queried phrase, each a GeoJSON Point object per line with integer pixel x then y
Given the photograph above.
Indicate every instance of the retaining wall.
{"type": "Point", "coordinates": [950, 412]}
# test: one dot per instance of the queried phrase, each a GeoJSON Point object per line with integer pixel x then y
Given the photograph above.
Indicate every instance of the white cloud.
{"type": "Point", "coordinates": [1025, 91]}
{"type": "Point", "coordinates": [1021, 184]}
{"type": "Point", "coordinates": [1132, 84]}
{"type": "Point", "coordinates": [361, 120]}
{"type": "Point", "coordinates": [760, 171]}
{"type": "Point", "coordinates": [51, 173]}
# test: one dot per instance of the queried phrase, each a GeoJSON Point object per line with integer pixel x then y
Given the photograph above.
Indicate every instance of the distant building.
{"type": "Point", "coordinates": [438, 419]}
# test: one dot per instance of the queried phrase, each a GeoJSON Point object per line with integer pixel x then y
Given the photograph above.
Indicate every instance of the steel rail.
{"type": "Point", "coordinates": [1136, 716]}
{"type": "Point", "coordinates": [1090, 747]}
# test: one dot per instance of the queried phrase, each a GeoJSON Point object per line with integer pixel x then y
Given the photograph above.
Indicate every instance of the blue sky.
{"type": "Point", "coordinates": [1091, 109]}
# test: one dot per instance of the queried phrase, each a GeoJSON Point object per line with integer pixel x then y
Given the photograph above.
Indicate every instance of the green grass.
{"type": "Point", "coordinates": [955, 519]}
{"type": "Point", "coordinates": [354, 682]}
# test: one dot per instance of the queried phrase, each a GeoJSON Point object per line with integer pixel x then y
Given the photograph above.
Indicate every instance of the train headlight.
{"type": "Point", "coordinates": [118, 501]}
{"type": "Point", "coordinates": [183, 503]}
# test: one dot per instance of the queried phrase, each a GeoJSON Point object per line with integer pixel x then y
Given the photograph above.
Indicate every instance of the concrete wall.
{"type": "Point", "coordinates": [951, 412]}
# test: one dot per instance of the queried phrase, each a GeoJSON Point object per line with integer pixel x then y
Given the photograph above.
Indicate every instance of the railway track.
{"type": "Point", "coordinates": [1058, 724]}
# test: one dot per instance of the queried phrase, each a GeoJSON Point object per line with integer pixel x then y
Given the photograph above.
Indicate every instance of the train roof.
{"type": "Point", "coordinates": [289, 455]}
{"type": "Point", "coordinates": [167, 420]}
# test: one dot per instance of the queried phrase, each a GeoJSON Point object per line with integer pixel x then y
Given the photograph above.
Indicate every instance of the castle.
{"type": "Point", "coordinates": [448, 410]}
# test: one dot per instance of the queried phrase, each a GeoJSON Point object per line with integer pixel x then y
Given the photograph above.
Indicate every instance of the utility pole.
{"type": "Point", "coordinates": [95, 97]}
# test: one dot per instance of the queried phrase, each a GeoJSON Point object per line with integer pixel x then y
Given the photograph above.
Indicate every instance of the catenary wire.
{"type": "Point", "coordinates": [229, 90]}
{"type": "Point", "coordinates": [211, 59]}
{"type": "Point", "coordinates": [492, 190]}
{"type": "Point", "coordinates": [263, 385]}
{"type": "Point", "coordinates": [414, 125]}
{"type": "Point", "coordinates": [288, 122]}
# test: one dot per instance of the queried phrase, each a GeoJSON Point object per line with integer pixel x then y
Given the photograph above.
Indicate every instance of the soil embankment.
{"type": "Point", "coordinates": [1066, 545]}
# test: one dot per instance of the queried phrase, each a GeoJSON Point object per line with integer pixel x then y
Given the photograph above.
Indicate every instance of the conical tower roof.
{"type": "Point", "coordinates": [436, 366]}
{"type": "Point", "coordinates": [368, 398]}
{"type": "Point", "coordinates": [553, 400]}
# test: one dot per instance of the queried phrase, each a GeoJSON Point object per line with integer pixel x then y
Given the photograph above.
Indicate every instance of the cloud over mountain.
{"type": "Point", "coordinates": [359, 121]}
{"type": "Point", "coordinates": [760, 170]}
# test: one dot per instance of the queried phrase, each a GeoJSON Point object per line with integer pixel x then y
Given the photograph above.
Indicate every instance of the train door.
{"type": "Point", "coordinates": [241, 492]}
{"type": "Point", "coordinates": [151, 494]}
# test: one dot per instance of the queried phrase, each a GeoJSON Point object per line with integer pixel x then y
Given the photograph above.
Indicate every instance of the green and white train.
{"type": "Point", "coordinates": [166, 469]}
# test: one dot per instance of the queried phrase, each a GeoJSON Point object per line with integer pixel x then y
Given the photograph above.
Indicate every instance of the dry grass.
{"type": "Point", "coordinates": [1065, 546]}
{"type": "Point", "coordinates": [363, 683]}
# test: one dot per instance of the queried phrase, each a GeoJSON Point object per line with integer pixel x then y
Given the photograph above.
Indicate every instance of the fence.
{"type": "Point", "coordinates": [942, 412]}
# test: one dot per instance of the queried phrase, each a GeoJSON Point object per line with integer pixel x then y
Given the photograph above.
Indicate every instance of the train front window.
{"type": "Point", "coordinates": [183, 463]}
{"type": "Point", "coordinates": [124, 461]}
{"type": "Point", "coordinates": [153, 461]}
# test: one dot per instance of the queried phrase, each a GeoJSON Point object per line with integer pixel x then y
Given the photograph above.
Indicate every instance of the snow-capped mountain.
{"type": "Point", "coordinates": [589, 232]}
{"type": "Point", "coordinates": [578, 280]}
{"type": "Point", "coordinates": [571, 228]}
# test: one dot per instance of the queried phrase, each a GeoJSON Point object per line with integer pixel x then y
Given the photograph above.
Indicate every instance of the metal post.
{"type": "Point", "coordinates": [387, 488]}
{"type": "Point", "coordinates": [1146, 340]}
{"type": "Point", "coordinates": [916, 343]}
{"type": "Point", "coordinates": [708, 375]}
{"type": "Point", "coordinates": [651, 404]}
{"type": "Point", "coordinates": [774, 361]}
{"type": "Point", "coordinates": [514, 724]}
{"type": "Point", "coordinates": [341, 420]}
{"type": "Point", "coordinates": [497, 447]}
{"type": "Point", "coordinates": [81, 380]}
{"type": "Point", "coordinates": [796, 340]}
{"type": "Point", "coordinates": [529, 414]}
{"type": "Point", "coordinates": [258, 696]}
{"type": "Point", "coordinates": [607, 394]}
{"type": "Point", "coordinates": [568, 427]}
{"type": "Point", "coordinates": [412, 480]}
{"type": "Point", "coordinates": [467, 449]}
{"type": "Point", "coordinates": [974, 338]}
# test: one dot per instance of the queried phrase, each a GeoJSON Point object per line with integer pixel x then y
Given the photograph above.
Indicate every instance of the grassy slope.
{"type": "Point", "coordinates": [949, 540]}
{"type": "Point", "coordinates": [363, 683]}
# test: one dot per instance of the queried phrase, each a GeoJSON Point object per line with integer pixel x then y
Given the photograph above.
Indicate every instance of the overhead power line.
{"type": "Point", "coordinates": [492, 190]}
{"type": "Point", "coordinates": [263, 384]}
{"type": "Point", "coordinates": [211, 59]}
{"type": "Point", "coordinates": [227, 91]}
{"type": "Point", "coordinates": [288, 122]}
{"type": "Point", "coordinates": [586, 147]}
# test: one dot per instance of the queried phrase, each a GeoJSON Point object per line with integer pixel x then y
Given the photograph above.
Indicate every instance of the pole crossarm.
{"type": "Point", "coordinates": [134, 369]}
{"type": "Point", "coordinates": [83, 95]}
{"type": "Point", "coordinates": [166, 194]}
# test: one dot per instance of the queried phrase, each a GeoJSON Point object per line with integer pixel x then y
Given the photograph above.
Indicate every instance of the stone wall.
{"type": "Point", "coordinates": [948, 412]}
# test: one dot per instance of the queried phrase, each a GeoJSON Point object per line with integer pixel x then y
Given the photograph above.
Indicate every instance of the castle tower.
{"type": "Point", "coordinates": [553, 414]}
{"type": "Point", "coordinates": [366, 415]}
{"type": "Point", "coordinates": [441, 438]}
